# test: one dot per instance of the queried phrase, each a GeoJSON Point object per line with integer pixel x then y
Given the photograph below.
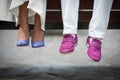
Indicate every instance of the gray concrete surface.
{"type": "Point", "coordinates": [24, 61]}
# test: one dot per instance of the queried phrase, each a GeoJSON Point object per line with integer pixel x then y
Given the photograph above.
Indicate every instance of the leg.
{"type": "Point", "coordinates": [39, 8]}
{"type": "Point", "coordinates": [70, 16]}
{"type": "Point", "coordinates": [23, 33]}
{"type": "Point", "coordinates": [38, 33]}
{"type": "Point", "coordinates": [97, 28]}
{"type": "Point", "coordinates": [100, 18]}
{"type": "Point", "coordinates": [70, 19]}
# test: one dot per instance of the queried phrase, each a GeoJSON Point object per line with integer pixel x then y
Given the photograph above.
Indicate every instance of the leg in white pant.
{"type": "Point", "coordinates": [70, 20]}
{"type": "Point", "coordinates": [98, 27]}
{"type": "Point", "coordinates": [70, 16]}
{"type": "Point", "coordinates": [100, 18]}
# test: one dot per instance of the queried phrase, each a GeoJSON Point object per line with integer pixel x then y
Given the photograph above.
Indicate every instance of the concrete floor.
{"type": "Point", "coordinates": [18, 60]}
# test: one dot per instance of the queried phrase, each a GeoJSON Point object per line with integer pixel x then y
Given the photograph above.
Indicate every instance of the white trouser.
{"type": "Point", "coordinates": [70, 16]}
{"type": "Point", "coordinates": [100, 18]}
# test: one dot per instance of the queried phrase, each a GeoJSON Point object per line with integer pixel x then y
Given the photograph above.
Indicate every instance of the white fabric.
{"type": "Point", "coordinates": [98, 24]}
{"type": "Point", "coordinates": [4, 10]}
{"type": "Point", "coordinates": [100, 18]}
{"type": "Point", "coordinates": [70, 16]}
{"type": "Point", "coordinates": [34, 6]}
{"type": "Point", "coordinates": [99, 21]}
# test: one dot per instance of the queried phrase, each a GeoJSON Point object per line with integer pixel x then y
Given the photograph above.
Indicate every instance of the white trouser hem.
{"type": "Point", "coordinates": [97, 35]}
{"type": "Point", "coordinates": [69, 31]}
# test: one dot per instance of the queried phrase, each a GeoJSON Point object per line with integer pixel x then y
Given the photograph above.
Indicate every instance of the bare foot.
{"type": "Point", "coordinates": [23, 33]}
{"type": "Point", "coordinates": [38, 35]}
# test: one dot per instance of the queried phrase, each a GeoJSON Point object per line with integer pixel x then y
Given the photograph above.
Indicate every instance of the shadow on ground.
{"type": "Point", "coordinates": [62, 73]}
